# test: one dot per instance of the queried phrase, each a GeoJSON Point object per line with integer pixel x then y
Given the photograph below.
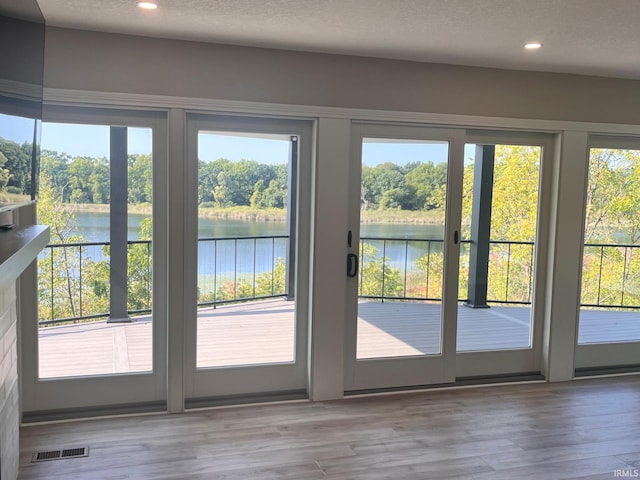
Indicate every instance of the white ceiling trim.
{"type": "Point", "coordinates": [55, 96]}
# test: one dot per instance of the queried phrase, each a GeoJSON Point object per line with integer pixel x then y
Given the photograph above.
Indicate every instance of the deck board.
{"type": "Point", "coordinates": [263, 332]}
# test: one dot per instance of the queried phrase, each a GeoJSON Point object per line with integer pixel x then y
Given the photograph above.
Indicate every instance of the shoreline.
{"type": "Point", "coordinates": [243, 213]}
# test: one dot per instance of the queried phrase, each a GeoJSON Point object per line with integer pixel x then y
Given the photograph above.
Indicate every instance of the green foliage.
{"type": "Point", "coordinates": [15, 166]}
{"type": "Point", "coordinates": [377, 278]}
{"type": "Point", "coordinates": [427, 180]}
{"type": "Point", "coordinates": [414, 186]}
{"type": "Point", "coordinates": [611, 274]}
{"type": "Point", "coordinates": [242, 183]}
{"type": "Point", "coordinates": [73, 281]}
{"type": "Point", "coordinates": [266, 284]}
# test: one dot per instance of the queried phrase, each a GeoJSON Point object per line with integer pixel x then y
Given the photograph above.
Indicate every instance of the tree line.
{"type": "Point", "coordinates": [15, 167]}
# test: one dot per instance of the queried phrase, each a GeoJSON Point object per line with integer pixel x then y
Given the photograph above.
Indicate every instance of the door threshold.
{"type": "Point", "coordinates": [90, 413]}
{"type": "Point", "coordinates": [459, 383]}
{"type": "Point", "coordinates": [617, 370]}
{"type": "Point", "coordinates": [192, 404]}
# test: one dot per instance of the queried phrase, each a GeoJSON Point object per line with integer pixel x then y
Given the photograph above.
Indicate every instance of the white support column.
{"type": "Point", "coordinates": [329, 282]}
{"type": "Point", "coordinates": [562, 305]}
{"type": "Point", "coordinates": [175, 293]}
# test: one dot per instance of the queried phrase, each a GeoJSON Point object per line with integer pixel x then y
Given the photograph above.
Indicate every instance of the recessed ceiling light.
{"type": "Point", "coordinates": [147, 5]}
{"type": "Point", "coordinates": [532, 45]}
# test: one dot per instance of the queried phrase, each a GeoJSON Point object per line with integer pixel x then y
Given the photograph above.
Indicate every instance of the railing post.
{"type": "Point", "coordinates": [480, 226]}
{"type": "Point", "coordinates": [291, 218]}
{"type": "Point", "coordinates": [118, 277]}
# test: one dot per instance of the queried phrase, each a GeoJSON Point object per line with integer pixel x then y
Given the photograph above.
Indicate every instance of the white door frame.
{"type": "Point", "coordinates": [521, 360]}
{"type": "Point", "coordinates": [146, 390]}
{"type": "Point", "coordinates": [211, 384]}
{"type": "Point", "coordinates": [610, 354]}
{"type": "Point", "coordinates": [371, 374]}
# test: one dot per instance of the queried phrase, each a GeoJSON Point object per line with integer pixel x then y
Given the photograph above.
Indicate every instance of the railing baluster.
{"type": "Point", "coordinates": [530, 289]}
{"type": "Point", "coordinates": [506, 290]}
{"type": "Point", "coordinates": [406, 260]}
{"type": "Point", "coordinates": [255, 247]}
{"type": "Point", "coordinates": [273, 264]}
{"type": "Point", "coordinates": [624, 276]}
{"type": "Point", "coordinates": [362, 263]}
{"type": "Point", "coordinates": [52, 287]}
{"type": "Point", "coordinates": [235, 268]}
{"type": "Point", "coordinates": [80, 280]}
{"type": "Point", "coordinates": [426, 293]}
{"type": "Point", "coordinates": [384, 258]}
{"type": "Point", "coordinates": [215, 272]}
{"type": "Point", "coordinates": [600, 274]}
{"type": "Point", "coordinates": [149, 275]}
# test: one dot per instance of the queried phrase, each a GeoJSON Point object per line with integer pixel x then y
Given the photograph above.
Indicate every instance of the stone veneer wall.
{"type": "Point", "coordinates": [9, 407]}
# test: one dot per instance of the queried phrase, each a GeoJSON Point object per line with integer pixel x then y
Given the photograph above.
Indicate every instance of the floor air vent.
{"type": "Point", "coordinates": [45, 455]}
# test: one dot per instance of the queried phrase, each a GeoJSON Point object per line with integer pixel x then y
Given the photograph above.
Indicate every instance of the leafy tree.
{"type": "Point", "coordinates": [4, 173]}
{"type": "Point", "coordinates": [139, 269]}
{"type": "Point", "coordinates": [140, 177]}
{"type": "Point", "coordinates": [15, 170]}
{"type": "Point", "coordinates": [376, 277]}
{"type": "Point", "coordinates": [377, 180]}
{"type": "Point", "coordinates": [426, 179]}
{"type": "Point", "coordinates": [611, 274]}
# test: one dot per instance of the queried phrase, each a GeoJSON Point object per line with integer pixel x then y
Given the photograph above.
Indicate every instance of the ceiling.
{"type": "Point", "coordinates": [594, 37]}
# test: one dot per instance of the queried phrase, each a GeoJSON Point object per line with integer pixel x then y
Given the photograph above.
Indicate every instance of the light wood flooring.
{"type": "Point", "coordinates": [586, 429]}
{"type": "Point", "coordinates": [263, 332]}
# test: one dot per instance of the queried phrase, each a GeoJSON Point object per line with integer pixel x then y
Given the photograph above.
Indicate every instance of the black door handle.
{"type": "Point", "coordinates": [456, 238]}
{"type": "Point", "coordinates": [352, 265]}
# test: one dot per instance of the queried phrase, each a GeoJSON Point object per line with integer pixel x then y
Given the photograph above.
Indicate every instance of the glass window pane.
{"type": "Point", "coordinates": [402, 210]}
{"type": "Point", "coordinates": [92, 321]}
{"type": "Point", "coordinates": [246, 306]}
{"type": "Point", "coordinates": [610, 305]}
{"type": "Point", "coordinates": [500, 210]}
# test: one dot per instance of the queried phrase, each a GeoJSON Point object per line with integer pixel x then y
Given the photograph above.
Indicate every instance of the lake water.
{"type": "Point", "coordinates": [222, 260]}
{"type": "Point", "coordinates": [94, 227]}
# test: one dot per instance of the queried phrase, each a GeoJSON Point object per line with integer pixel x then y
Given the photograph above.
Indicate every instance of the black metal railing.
{"type": "Point", "coordinates": [412, 269]}
{"type": "Point", "coordinates": [74, 280]}
{"type": "Point", "coordinates": [257, 270]}
{"type": "Point", "coordinates": [72, 274]}
{"type": "Point", "coordinates": [74, 277]}
{"type": "Point", "coordinates": [611, 276]}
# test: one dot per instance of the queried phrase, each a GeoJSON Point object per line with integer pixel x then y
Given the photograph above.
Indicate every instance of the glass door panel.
{"type": "Point", "coordinates": [246, 312]}
{"type": "Point", "coordinates": [101, 332]}
{"type": "Point", "coordinates": [401, 309]}
{"type": "Point", "coordinates": [610, 301]}
{"type": "Point", "coordinates": [403, 193]}
{"type": "Point", "coordinates": [247, 331]}
{"type": "Point", "coordinates": [499, 230]}
{"type": "Point", "coordinates": [95, 276]}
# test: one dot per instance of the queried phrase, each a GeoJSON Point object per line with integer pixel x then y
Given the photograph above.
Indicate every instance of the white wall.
{"type": "Point", "coordinates": [119, 63]}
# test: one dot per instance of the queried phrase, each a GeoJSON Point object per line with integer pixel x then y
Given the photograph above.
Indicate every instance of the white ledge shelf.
{"type": "Point", "coordinates": [18, 248]}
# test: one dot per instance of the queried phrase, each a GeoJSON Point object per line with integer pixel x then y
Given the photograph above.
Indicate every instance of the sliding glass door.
{"type": "Point", "coordinates": [403, 248]}
{"type": "Point", "coordinates": [609, 322]}
{"type": "Point", "coordinates": [499, 320]}
{"type": "Point", "coordinates": [247, 334]}
{"type": "Point", "coordinates": [101, 327]}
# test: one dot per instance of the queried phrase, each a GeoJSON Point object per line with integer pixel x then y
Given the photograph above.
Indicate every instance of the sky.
{"type": "Point", "coordinates": [90, 140]}
{"type": "Point", "coordinates": [93, 141]}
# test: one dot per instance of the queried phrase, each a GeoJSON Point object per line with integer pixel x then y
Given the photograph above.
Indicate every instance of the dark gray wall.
{"type": "Point", "coordinates": [21, 50]}
{"type": "Point", "coordinates": [120, 63]}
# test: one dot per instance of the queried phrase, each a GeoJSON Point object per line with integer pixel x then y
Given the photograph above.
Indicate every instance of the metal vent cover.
{"type": "Point", "coordinates": [59, 454]}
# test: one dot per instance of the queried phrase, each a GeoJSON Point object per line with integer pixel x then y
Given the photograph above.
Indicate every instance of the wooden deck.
{"type": "Point", "coordinates": [263, 332]}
